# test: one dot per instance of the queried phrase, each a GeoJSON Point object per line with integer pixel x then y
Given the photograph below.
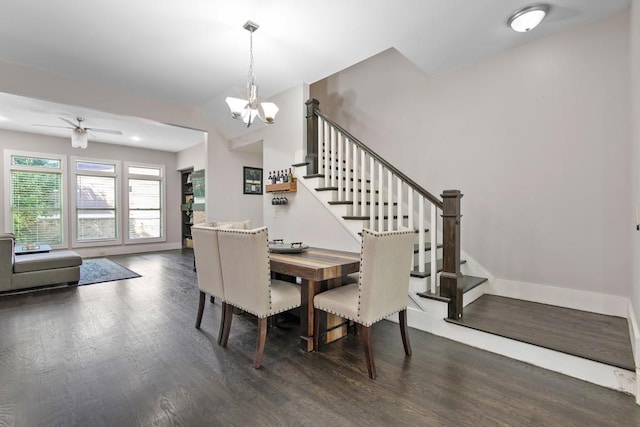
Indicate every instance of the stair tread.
{"type": "Point", "coordinates": [350, 202]}
{"type": "Point", "coordinates": [468, 283]}
{"type": "Point", "coordinates": [426, 230]}
{"type": "Point", "coordinates": [336, 189]}
{"type": "Point", "coordinates": [366, 217]}
{"type": "Point", "coordinates": [427, 267]}
{"type": "Point", "coordinates": [295, 165]}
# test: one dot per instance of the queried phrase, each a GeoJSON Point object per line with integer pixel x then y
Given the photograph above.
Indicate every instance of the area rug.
{"type": "Point", "coordinates": [99, 270]}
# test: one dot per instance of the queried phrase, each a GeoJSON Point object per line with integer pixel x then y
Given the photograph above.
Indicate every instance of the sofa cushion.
{"type": "Point", "coordinates": [46, 261]}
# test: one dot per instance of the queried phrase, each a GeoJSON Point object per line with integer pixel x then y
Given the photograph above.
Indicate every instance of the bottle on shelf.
{"type": "Point", "coordinates": [290, 176]}
{"type": "Point", "coordinates": [270, 178]}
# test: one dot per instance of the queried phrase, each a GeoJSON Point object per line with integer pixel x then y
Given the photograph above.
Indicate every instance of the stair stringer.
{"type": "Point", "coordinates": [311, 184]}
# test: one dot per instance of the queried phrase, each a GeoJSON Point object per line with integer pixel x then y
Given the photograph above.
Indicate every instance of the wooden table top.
{"type": "Point", "coordinates": [316, 263]}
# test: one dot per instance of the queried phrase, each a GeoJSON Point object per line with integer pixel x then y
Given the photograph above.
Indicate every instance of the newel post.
{"type": "Point", "coordinates": [451, 278]}
{"type": "Point", "coordinates": [312, 136]}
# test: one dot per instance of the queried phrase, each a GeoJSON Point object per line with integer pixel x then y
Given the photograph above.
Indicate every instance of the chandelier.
{"type": "Point", "coordinates": [250, 108]}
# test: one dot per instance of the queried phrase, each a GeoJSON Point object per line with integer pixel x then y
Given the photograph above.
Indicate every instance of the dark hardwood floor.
{"type": "Point", "coordinates": [127, 353]}
{"type": "Point", "coordinates": [588, 335]}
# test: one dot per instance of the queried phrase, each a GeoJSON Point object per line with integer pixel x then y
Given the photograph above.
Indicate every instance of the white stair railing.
{"type": "Point", "coordinates": [370, 183]}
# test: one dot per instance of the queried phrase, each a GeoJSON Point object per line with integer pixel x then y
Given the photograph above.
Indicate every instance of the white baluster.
{"type": "Point", "coordinates": [325, 144]}
{"type": "Point", "coordinates": [363, 183]}
{"type": "Point", "coordinates": [332, 162]}
{"type": "Point", "coordinates": [410, 222]}
{"type": "Point", "coordinates": [354, 175]}
{"type": "Point", "coordinates": [372, 191]}
{"type": "Point", "coordinates": [399, 201]}
{"type": "Point", "coordinates": [421, 248]}
{"type": "Point", "coordinates": [390, 201]}
{"type": "Point", "coordinates": [340, 161]}
{"type": "Point", "coordinates": [347, 169]}
{"type": "Point", "coordinates": [433, 234]}
{"type": "Point", "coordinates": [380, 198]}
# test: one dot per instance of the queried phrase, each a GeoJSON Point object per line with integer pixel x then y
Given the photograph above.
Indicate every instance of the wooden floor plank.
{"type": "Point", "coordinates": [127, 353]}
{"type": "Point", "coordinates": [588, 335]}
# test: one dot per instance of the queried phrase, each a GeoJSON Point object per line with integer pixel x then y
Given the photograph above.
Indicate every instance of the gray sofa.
{"type": "Point", "coordinates": [33, 270]}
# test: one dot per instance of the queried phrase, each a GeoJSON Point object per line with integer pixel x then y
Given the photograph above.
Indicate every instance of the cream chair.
{"type": "Point", "coordinates": [382, 289]}
{"type": "Point", "coordinates": [208, 269]}
{"type": "Point", "coordinates": [244, 255]}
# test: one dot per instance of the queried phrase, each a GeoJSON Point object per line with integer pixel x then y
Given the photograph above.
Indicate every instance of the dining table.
{"type": "Point", "coordinates": [317, 270]}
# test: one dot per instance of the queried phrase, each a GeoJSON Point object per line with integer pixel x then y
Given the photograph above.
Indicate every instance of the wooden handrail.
{"type": "Point", "coordinates": [424, 193]}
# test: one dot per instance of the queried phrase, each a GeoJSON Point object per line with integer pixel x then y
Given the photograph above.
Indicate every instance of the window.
{"type": "Point", "coordinates": [95, 204]}
{"type": "Point", "coordinates": [36, 188]}
{"type": "Point", "coordinates": [145, 202]}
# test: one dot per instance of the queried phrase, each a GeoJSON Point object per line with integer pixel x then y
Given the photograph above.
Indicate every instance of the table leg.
{"type": "Point", "coordinates": [332, 327]}
{"type": "Point", "coordinates": [308, 288]}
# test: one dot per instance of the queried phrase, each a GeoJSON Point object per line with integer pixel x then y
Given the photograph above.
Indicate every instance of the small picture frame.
{"type": "Point", "coordinates": [252, 180]}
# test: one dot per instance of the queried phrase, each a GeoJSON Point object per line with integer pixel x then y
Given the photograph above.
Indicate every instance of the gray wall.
{"type": "Point", "coordinates": [537, 138]}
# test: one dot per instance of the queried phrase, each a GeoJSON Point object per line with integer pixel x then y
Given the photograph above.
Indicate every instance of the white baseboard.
{"type": "Point", "coordinates": [634, 333]}
{"type": "Point", "coordinates": [126, 249]}
{"type": "Point", "coordinates": [594, 302]}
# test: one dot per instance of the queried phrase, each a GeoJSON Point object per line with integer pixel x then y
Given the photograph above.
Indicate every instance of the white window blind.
{"type": "Point", "coordinates": [36, 199]}
{"type": "Point", "coordinates": [145, 206]}
{"type": "Point", "coordinates": [95, 207]}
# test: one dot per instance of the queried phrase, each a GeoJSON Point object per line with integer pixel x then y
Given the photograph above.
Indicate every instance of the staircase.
{"type": "Point", "coordinates": [362, 190]}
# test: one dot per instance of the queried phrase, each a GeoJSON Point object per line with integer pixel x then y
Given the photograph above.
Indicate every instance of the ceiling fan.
{"type": "Point", "coordinates": [79, 131]}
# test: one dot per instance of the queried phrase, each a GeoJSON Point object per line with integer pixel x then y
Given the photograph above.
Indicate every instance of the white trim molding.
{"type": "Point", "coordinates": [612, 305]}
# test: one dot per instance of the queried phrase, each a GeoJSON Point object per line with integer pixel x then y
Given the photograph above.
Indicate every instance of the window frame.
{"type": "Point", "coordinates": [74, 172]}
{"type": "Point", "coordinates": [163, 200]}
{"type": "Point", "coordinates": [64, 208]}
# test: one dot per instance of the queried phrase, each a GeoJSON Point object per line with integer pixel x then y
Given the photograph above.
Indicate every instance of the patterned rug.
{"type": "Point", "coordinates": [99, 270]}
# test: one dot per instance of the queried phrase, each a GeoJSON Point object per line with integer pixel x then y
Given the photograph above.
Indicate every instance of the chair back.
{"type": "Point", "coordinates": [244, 255]}
{"type": "Point", "coordinates": [385, 268]}
{"type": "Point", "coordinates": [207, 255]}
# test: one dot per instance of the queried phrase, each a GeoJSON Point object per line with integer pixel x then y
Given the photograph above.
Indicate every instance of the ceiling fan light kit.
{"type": "Point", "coordinates": [79, 138]}
{"type": "Point", "coordinates": [527, 18]}
{"type": "Point", "coordinates": [250, 108]}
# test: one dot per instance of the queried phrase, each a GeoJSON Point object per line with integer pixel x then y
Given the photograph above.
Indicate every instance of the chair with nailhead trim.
{"type": "Point", "coordinates": [246, 272]}
{"type": "Point", "coordinates": [382, 289]}
{"type": "Point", "coordinates": [209, 271]}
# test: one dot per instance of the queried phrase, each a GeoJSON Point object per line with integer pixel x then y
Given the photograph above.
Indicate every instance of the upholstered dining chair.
{"type": "Point", "coordinates": [244, 256]}
{"type": "Point", "coordinates": [208, 269]}
{"type": "Point", "coordinates": [382, 289]}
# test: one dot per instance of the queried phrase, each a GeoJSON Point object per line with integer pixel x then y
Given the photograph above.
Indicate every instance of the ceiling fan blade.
{"type": "Point", "coordinates": [51, 126]}
{"type": "Point", "coordinates": [75, 125]}
{"type": "Point", "coordinates": [115, 132]}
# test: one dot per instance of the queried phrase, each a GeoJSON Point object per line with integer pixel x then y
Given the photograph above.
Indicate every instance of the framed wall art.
{"type": "Point", "coordinates": [252, 180]}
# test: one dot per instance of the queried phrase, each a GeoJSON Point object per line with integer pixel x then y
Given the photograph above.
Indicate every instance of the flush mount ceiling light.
{"type": "Point", "coordinates": [248, 109]}
{"type": "Point", "coordinates": [527, 18]}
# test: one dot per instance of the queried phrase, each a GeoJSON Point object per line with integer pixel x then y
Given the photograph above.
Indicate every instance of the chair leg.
{"type": "Point", "coordinates": [404, 331]}
{"type": "Point", "coordinates": [316, 329]}
{"type": "Point", "coordinates": [228, 317]}
{"type": "Point", "coordinates": [223, 316]}
{"type": "Point", "coordinates": [200, 309]}
{"type": "Point", "coordinates": [368, 351]}
{"type": "Point", "coordinates": [262, 338]}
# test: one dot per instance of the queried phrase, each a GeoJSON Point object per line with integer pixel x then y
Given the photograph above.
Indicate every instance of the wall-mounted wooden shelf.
{"type": "Point", "coordinates": [289, 187]}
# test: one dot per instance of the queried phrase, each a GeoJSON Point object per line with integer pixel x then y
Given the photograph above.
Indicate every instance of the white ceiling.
{"type": "Point", "coordinates": [196, 52]}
